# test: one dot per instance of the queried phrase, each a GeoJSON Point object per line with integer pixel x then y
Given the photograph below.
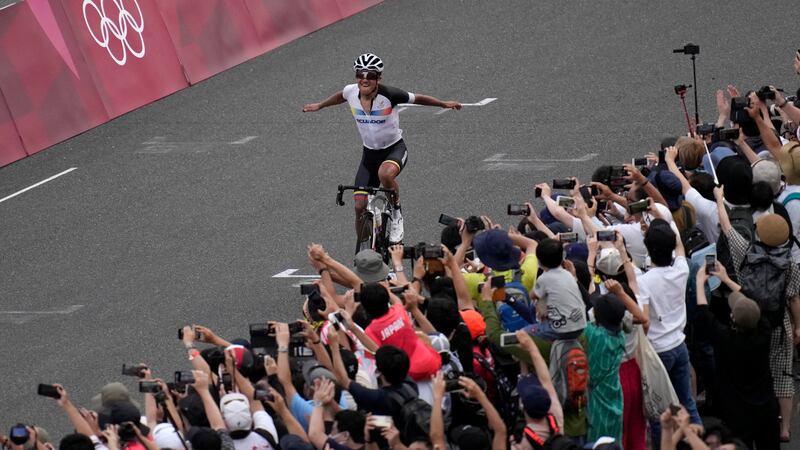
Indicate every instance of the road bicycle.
{"type": "Point", "coordinates": [374, 230]}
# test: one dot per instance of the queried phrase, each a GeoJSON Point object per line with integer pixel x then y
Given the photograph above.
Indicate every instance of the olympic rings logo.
{"type": "Point", "coordinates": [120, 29]}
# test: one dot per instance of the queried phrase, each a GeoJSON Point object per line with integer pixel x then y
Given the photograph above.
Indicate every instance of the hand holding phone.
{"type": "Point", "coordinates": [48, 390]}
{"type": "Point", "coordinates": [711, 263]}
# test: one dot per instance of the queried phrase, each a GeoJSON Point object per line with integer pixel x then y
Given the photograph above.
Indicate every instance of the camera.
{"type": "Point", "coordinates": [765, 93]}
{"type": "Point", "coordinates": [705, 129]}
{"type": "Point", "coordinates": [19, 434]}
{"type": "Point", "coordinates": [432, 251]}
{"type": "Point", "coordinates": [688, 49]}
{"type": "Point", "coordinates": [680, 89]}
{"type": "Point", "coordinates": [184, 377]}
{"type": "Point", "coordinates": [518, 210]}
{"type": "Point", "coordinates": [452, 386]}
{"type": "Point", "coordinates": [149, 387]}
{"type": "Point", "coordinates": [725, 134]}
{"type": "Point", "coordinates": [474, 224]}
{"type": "Point", "coordinates": [308, 288]}
{"type": "Point", "coordinates": [606, 235]}
{"type": "Point", "coordinates": [565, 183]}
{"type": "Point", "coordinates": [295, 327]}
{"type": "Point", "coordinates": [48, 390]}
{"type": "Point", "coordinates": [409, 252]}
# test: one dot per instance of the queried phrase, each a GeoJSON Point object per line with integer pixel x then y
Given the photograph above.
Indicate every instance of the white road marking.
{"type": "Point", "coordinates": [501, 158]}
{"type": "Point", "coordinates": [402, 109]}
{"type": "Point", "coordinates": [38, 184]}
{"type": "Point", "coordinates": [289, 273]}
{"type": "Point", "coordinates": [484, 102]}
{"type": "Point", "coordinates": [22, 317]}
{"type": "Point", "coordinates": [244, 140]}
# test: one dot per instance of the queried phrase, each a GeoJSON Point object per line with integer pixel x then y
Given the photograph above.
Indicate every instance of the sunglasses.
{"type": "Point", "coordinates": [367, 75]}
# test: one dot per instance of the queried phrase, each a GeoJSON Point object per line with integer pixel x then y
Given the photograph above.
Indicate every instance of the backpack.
{"type": "Point", "coordinates": [763, 277]}
{"type": "Point", "coordinates": [556, 441]}
{"type": "Point", "coordinates": [507, 401]}
{"type": "Point", "coordinates": [414, 419]}
{"type": "Point", "coordinates": [693, 238]}
{"type": "Point", "coordinates": [515, 292]}
{"type": "Point", "coordinates": [742, 221]}
{"type": "Point", "coordinates": [790, 197]}
{"type": "Point", "coordinates": [569, 369]}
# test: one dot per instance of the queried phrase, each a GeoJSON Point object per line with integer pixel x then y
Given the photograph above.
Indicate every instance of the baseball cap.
{"type": "Point", "coordinates": [468, 437]}
{"type": "Point", "coordinates": [312, 370]}
{"type": "Point", "coordinates": [112, 393]}
{"type": "Point", "coordinates": [772, 230]}
{"type": "Point", "coordinates": [716, 156]}
{"type": "Point", "coordinates": [746, 312]}
{"type": "Point", "coordinates": [119, 413]}
{"type": "Point", "coordinates": [789, 159]}
{"type": "Point", "coordinates": [165, 436]}
{"type": "Point", "coordinates": [244, 359]}
{"type": "Point", "coordinates": [608, 311]}
{"type": "Point", "coordinates": [370, 266]}
{"type": "Point", "coordinates": [670, 188]}
{"type": "Point", "coordinates": [609, 262]}
{"type": "Point", "coordinates": [474, 321]}
{"type": "Point", "coordinates": [606, 443]}
{"type": "Point", "coordinates": [496, 250]}
{"type": "Point", "coordinates": [535, 399]}
{"type": "Point", "coordinates": [769, 172]}
{"type": "Point", "coordinates": [235, 410]}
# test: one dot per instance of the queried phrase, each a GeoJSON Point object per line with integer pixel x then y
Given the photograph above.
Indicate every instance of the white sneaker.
{"type": "Point", "coordinates": [396, 226]}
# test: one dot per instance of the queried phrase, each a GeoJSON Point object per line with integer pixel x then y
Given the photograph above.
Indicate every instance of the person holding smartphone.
{"type": "Point", "coordinates": [384, 155]}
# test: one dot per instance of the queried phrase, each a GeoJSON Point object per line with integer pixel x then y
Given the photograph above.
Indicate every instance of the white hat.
{"type": "Point", "coordinates": [166, 437]}
{"type": "Point", "coordinates": [609, 261]}
{"type": "Point", "coordinates": [236, 411]}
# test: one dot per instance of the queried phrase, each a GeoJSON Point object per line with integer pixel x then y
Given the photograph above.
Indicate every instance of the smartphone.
{"type": "Point", "coordinates": [711, 263]}
{"type": "Point", "coordinates": [586, 194]}
{"type": "Point", "coordinates": [565, 202]}
{"type": "Point", "coordinates": [508, 339]}
{"type": "Point", "coordinates": [537, 192]}
{"type": "Point", "coordinates": [227, 382]}
{"type": "Point", "coordinates": [198, 336]}
{"type": "Point", "coordinates": [184, 377]}
{"type": "Point", "coordinates": [149, 387]}
{"type": "Point", "coordinates": [518, 210]}
{"type": "Point", "coordinates": [568, 238]}
{"type": "Point", "coordinates": [661, 156]}
{"type": "Point", "coordinates": [295, 327]}
{"type": "Point", "coordinates": [381, 421]}
{"type": "Point", "coordinates": [639, 162]}
{"type": "Point", "coordinates": [602, 205]}
{"type": "Point", "coordinates": [308, 288]}
{"type": "Point", "coordinates": [452, 386]}
{"type": "Point", "coordinates": [48, 390]}
{"type": "Point", "coordinates": [606, 235]}
{"type": "Point", "coordinates": [409, 252]}
{"type": "Point", "coordinates": [499, 283]}
{"type": "Point", "coordinates": [263, 395]}
{"type": "Point", "coordinates": [638, 207]}
{"type": "Point", "coordinates": [565, 183]}
{"type": "Point", "coordinates": [132, 371]}
{"type": "Point", "coordinates": [398, 290]}
{"type": "Point", "coordinates": [447, 221]}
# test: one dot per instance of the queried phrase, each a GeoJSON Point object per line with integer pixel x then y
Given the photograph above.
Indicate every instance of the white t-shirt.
{"type": "Point", "coordinates": [664, 289]}
{"type": "Point", "coordinates": [255, 441]}
{"type": "Point", "coordinates": [793, 208]}
{"type": "Point", "coordinates": [634, 242]}
{"type": "Point", "coordinates": [706, 213]}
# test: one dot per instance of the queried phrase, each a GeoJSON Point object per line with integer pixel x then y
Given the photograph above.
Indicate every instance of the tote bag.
{"type": "Point", "coordinates": [657, 390]}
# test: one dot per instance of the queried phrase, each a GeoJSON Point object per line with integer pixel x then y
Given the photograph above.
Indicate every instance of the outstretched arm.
{"type": "Point", "coordinates": [335, 99]}
{"type": "Point", "coordinates": [427, 100]}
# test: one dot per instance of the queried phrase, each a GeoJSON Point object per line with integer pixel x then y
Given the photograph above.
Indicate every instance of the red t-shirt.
{"type": "Point", "coordinates": [394, 328]}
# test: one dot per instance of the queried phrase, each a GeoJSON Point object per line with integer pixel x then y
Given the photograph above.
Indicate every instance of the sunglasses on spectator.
{"type": "Point", "coordinates": [367, 75]}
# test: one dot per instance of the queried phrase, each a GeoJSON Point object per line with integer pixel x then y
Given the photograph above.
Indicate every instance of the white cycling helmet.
{"type": "Point", "coordinates": [368, 61]}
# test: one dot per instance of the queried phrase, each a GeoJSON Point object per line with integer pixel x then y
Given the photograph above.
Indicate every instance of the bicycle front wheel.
{"type": "Point", "coordinates": [364, 232]}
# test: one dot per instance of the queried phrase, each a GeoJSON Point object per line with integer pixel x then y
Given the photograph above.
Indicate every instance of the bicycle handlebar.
{"type": "Point", "coordinates": [368, 189]}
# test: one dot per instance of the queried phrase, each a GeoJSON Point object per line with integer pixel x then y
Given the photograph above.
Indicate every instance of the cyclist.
{"type": "Point", "coordinates": [373, 107]}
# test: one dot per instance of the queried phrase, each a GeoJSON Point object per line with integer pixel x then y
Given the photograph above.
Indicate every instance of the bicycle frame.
{"type": "Point", "coordinates": [379, 208]}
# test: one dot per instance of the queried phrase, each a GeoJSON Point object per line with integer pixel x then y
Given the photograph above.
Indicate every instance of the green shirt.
{"type": "Point", "coordinates": [605, 351]}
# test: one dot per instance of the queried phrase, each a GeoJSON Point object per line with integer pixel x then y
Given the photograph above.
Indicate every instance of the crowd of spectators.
{"type": "Point", "coordinates": [656, 306]}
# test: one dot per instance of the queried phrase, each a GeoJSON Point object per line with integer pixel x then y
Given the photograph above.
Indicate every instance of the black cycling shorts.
{"type": "Point", "coordinates": [371, 160]}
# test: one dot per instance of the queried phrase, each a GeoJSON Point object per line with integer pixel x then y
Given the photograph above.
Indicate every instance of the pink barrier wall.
{"type": "Point", "coordinates": [69, 65]}
{"type": "Point", "coordinates": [44, 80]}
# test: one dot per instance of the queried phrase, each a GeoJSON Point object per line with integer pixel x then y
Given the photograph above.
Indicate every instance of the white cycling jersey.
{"type": "Point", "coordinates": [380, 127]}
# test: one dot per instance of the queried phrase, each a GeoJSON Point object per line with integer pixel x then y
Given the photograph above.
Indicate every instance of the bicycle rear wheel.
{"type": "Point", "coordinates": [364, 233]}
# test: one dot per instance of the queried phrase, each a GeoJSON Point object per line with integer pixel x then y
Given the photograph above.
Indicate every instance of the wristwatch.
{"type": "Point", "coordinates": [283, 349]}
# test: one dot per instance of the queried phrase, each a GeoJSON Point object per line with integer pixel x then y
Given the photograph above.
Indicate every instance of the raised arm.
{"type": "Point", "coordinates": [558, 212]}
{"type": "Point", "coordinates": [213, 415]}
{"type": "Point", "coordinates": [427, 100]}
{"type": "Point", "coordinates": [335, 99]}
{"type": "Point", "coordinates": [539, 364]}
{"type": "Point", "coordinates": [724, 220]}
{"type": "Point", "coordinates": [496, 424]}
{"type": "Point", "coordinates": [459, 284]}
{"type": "Point", "coordinates": [76, 419]}
{"type": "Point", "coordinates": [284, 370]}
{"type": "Point", "coordinates": [638, 315]}
{"type": "Point", "coordinates": [537, 223]}
{"type": "Point", "coordinates": [437, 419]}
{"type": "Point", "coordinates": [670, 155]}
{"type": "Point", "coordinates": [348, 277]}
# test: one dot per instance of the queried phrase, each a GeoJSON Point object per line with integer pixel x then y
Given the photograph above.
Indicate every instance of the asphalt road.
{"type": "Point", "coordinates": [182, 211]}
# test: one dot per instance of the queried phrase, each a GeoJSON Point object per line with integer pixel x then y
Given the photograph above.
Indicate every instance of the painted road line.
{"type": "Point", "coordinates": [501, 158]}
{"type": "Point", "coordinates": [244, 140]}
{"type": "Point", "coordinates": [38, 184]}
{"type": "Point", "coordinates": [23, 317]}
{"type": "Point", "coordinates": [289, 273]}
{"type": "Point", "coordinates": [484, 102]}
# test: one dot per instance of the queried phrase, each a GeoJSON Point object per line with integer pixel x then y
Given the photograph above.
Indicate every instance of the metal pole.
{"type": "Point", "coordinates": [694, 76]}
